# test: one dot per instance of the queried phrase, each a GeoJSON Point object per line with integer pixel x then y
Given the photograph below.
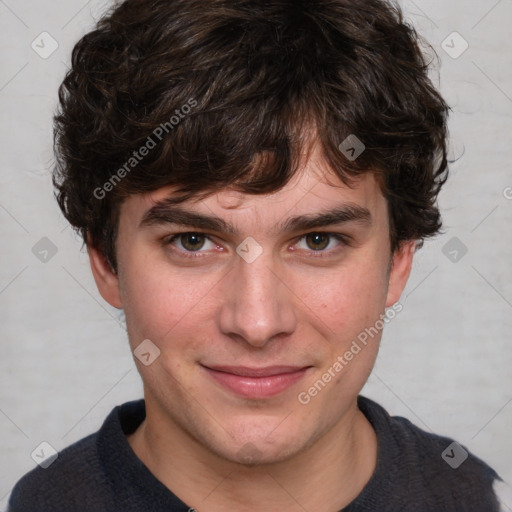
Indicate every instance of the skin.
{"type": "Point", "coordinates": [287, 307]}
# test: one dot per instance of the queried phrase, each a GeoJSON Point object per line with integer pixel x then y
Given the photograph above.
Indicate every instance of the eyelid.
{"type": "Point", "coordinates": [168, 240]}
{"type": "Point", "coordinates": [339, 237]}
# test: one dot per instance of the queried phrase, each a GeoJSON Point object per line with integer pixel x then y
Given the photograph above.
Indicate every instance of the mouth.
{"type": "Point", "coordinates": [256, 383]}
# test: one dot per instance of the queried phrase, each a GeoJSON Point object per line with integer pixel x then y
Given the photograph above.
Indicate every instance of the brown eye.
{"type": "Point", "coordinates": [317, 241]}
{"type": "Point", "coordinates": [192, 241]}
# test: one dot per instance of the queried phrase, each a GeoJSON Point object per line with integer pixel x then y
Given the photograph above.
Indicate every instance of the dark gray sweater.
{"type": "Point", "coordinates": [101, 473]}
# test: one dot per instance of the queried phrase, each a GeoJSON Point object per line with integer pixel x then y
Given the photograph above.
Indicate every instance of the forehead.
{"type": "Point", "coordinates": [315, 187]}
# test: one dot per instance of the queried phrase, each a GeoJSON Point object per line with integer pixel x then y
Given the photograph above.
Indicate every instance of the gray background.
{"type": "Point", "coordinates": [445, 361]}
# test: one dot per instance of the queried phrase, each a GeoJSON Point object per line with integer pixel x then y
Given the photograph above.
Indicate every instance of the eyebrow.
{"type": "Point", "coordinates": [162, 213]}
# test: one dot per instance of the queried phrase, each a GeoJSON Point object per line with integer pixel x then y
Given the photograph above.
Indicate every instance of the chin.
{"type": "Point", "coordinates": [252, 454]}
{"type": "Point", "coordinates": [256, 449]}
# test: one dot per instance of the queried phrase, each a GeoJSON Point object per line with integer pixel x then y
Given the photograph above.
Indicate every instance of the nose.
{"type": "Point", "coordinates": [258, 303]}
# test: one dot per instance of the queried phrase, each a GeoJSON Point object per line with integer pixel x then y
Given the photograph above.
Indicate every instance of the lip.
{"type": "Point", "coordinates": [256, 383]}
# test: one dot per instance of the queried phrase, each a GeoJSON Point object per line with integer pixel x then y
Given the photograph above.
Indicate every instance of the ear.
{"type": "Point", "coordinates": [400, 269]}
{"type": "Point", "coordinates": [106, 279]}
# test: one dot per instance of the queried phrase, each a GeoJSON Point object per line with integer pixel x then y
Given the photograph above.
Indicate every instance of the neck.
{"type": "Point", "coordinates": [325, 476]}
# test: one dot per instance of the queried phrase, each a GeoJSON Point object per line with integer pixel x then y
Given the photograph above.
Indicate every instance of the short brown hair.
{"type": "Point", "coordinates": [224, 82]}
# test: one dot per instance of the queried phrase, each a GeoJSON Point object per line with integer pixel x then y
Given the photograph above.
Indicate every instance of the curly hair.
{"type": "Point", "coordinates": [192, 93]}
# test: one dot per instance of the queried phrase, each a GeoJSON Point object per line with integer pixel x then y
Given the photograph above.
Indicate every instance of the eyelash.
{"type": "Point", "coordinates": [342, 239]}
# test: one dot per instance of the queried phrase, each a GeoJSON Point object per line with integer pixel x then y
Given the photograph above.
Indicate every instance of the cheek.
{"type": "Point", "coordinates": [160, 302]}
{"type": "Point", "coordinates": [347, 300]}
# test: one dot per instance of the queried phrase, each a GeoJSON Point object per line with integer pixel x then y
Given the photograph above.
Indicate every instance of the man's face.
{"type": "Point", "coordinates": [248, 321]}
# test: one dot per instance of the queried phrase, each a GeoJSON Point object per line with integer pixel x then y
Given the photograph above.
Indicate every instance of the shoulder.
{"type": "Point", "coordinates": [444, 467]}
{"type": "Point", "coordinates": [67, 480]}
{"type": "Point", "coordinates": [80, 477]}
{"type": "Point", "coordinates": [437, 470]}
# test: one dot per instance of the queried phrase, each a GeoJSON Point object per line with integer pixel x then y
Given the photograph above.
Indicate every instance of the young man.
{"type": "Point", "coordinates": [252, 180]}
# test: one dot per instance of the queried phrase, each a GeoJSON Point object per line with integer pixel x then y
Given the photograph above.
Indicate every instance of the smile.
{"type": "Point", "coordinates": [256, 382]}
